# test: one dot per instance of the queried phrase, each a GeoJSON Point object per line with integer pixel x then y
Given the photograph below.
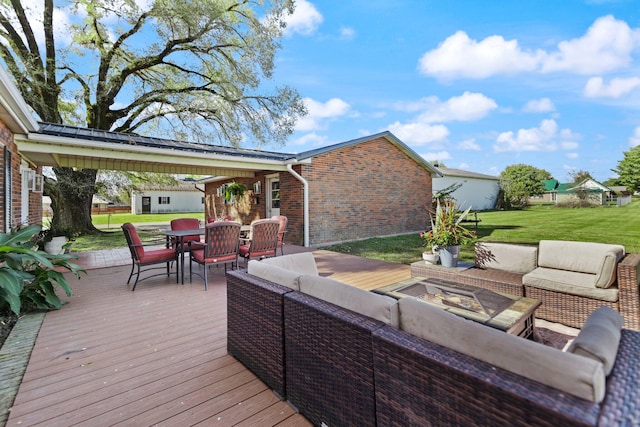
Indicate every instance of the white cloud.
{"type": "Point", "coordinates": [441, 155]}
{"type": "Point", "coordinates": [347, 33]}
{"type": "Point", "coordinates": [617, 87]}
{"type": "Point", "coordinates": [311, 139]}
{"type": "Point", "coordinates": [305, 19]}
{"type": "Point", "coordinates": [464, 166]}
{"type": "Point", "coordinates": [319, 112]}
{"type": "Point", "coordinates": [606, 46]}
{"type": "Point", "coordinates": [469, 144]}
{"type": "Point", "coordinates": [634, 140]}
{"type": "Point", "coordinates": [466, 107]}
{"type": "Point", "coordinates": [542, 105]}
{"type": "Point", "coordinates": [542, 138]}
{"type": "Point", "coordinates": [460, 56]}
{"type": "Point", "coordinates": [572, 155]}
{"type": "Point", "coordinates": [419, 133]}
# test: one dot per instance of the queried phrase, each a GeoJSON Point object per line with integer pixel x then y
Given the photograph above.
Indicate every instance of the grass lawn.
{"type": "Point", "coordinates": [609, 224]}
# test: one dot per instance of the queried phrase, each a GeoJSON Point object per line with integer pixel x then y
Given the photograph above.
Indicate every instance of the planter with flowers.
{"type": "Point", "coordinates": [447, 233]}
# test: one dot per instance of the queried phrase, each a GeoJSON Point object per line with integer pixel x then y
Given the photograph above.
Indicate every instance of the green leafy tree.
{"type": "Point", "coordinates": [519, 182]}
{"type": "Point", "coordinates": [579, 176]}
{"type": "Point", "coordinates": [191, 67]}
{"type": "Point", "coordinates": [628, 169]}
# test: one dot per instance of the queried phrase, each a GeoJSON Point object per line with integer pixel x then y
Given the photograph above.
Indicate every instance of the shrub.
{"type": "Point", "coordinates": [28, 276]}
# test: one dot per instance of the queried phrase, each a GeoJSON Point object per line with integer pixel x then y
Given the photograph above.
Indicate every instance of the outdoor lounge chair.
{"type": "Point", "coordinates": [264, 240]}
{"type": "Point", "coordinates": [220, 247]}
{"type": "Point", "coordinates": [282, 230]}
{"type": "Point", "coordinates": [185, 224]}
{"type": "Point", "coordinates": [140, 257]}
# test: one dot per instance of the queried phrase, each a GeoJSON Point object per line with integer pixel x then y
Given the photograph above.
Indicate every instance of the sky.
{"type": "Point", "coordinates": [476, 85]}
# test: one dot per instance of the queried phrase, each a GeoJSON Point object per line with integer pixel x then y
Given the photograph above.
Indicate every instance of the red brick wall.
{"type": "Point", "coordinates": [365, 190]}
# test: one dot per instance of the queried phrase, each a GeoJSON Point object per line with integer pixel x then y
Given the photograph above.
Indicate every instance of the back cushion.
{"type": "Point", "coordinates": [303, 263]}
{"type": "Point", "coordinates": [579, 376]}
{"type": "Point", "coordinates": [585, 257]}
{"type": "Point", "coordinates": [275, 274]}
{"type": "Point", "coordinates": [379, 307]}
{"type": "Point", "coordinates": [507, 257]}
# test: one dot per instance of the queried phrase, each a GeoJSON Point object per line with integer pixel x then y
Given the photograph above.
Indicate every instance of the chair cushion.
{"type": "Point", "coordinates": [274, 273]}
{"type": "Point", "coordinates": [158, 255]}
{"type": "Point", "coordinates": [506, 257]}
{"type": "Point", "coordinates": [199, 257]}
{"type": "Point", "coordinates": [303, 263]}
{"type": "Point", "coordinates": [569, 282]}
{"type": "Point", "coordinates": [379, 307]}
{"type": "Point", "coordinates": [579, 376]}
{"type": "Point", "coordinates": [599, 337]}
{"type": "Point", "coordinates": [583, 257]}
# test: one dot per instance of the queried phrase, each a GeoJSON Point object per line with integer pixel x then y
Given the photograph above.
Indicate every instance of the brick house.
{"type": "Point", "coordinates": [368, 187]}
{"type": "Point", "coordinates": [20, 180]}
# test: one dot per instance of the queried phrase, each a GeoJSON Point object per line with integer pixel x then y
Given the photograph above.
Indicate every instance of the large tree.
{"type": "Point", "coordinates": [519, 182]}
{"type": "Point", "coordinates": [628, 169]}
{"type": "Point", "coordinates": [195, 68]}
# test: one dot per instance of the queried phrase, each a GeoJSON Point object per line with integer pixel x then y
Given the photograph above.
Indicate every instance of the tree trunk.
{"type": "Point", "coordinates": [71, 199]}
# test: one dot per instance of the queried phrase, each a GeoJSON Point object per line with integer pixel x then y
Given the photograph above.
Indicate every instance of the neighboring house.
{"type": "Point", "coordinates": [477, 190]}
{"type": "Point", "coordinates": [589, 190]}
{"type": "Point", "coordinates": [185, 197]}
{"type": "Point", "coordinates": [367, 187]}
{"type": "Point", "coordinates": [98, 205]}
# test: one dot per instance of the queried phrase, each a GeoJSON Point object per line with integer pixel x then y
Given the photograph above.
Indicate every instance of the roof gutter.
{"type": "Point", "coordinates": [305, 202]}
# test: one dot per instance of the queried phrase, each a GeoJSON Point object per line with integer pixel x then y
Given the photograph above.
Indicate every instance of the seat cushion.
{"type": "Point", "coordinates": [379, 307]}
{"type": "Point", "coordinates": [569, 282]}
{"type": "Point", "coordinates": [599, 338]}
{"type": "Point", "coordinates": [579, 376]}
{"type": "Point", "coordinates": [274, 273]}
{"type": "Point", "coordinates": [158, 255]}
{"type": "Point", "coordinates": [507, 257]}
{"type": "Point", "coordinates": [199, 257]}
{"type": "Point", "coordinates": [303, 263]}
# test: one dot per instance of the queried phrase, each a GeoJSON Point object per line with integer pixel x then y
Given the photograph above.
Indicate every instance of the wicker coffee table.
{"type": "Point", "coordinates": [509, 313]}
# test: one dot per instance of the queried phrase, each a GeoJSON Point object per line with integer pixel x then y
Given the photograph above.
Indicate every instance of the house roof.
{"type": "Point", "coordinates": [550, 184]}
{"type": "Point", "coordinates": [181, 187]}
{"type": "Point", "coordinates": [460, 173]}
{"type": "Point", "coordinates": [308, 155]}
{"type": "Point", "coordinates": [14, 111]}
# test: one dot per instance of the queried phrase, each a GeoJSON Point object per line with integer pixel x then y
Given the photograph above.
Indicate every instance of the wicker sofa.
{"type": "Point", "coordinates": [343, 360]}
{"type": "Point", "coordinates": [570, 278]}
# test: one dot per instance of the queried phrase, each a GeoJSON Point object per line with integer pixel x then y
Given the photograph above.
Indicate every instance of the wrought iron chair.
{"type": "Point", "coordinates": [264, 240]}
{"type": "Point", "coordinates": [142, 257]}
{"type": "Point", "coordinates": [185, 224]}
{"type": "Point", "coordinates": [220, 246]}
{"type": "Point", "coordinates": [281, 231]}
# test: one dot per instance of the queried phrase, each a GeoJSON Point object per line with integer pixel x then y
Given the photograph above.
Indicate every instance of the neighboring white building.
{"type": "Point", "coordinates": [478, 191]}
{"type": "Point", "coordinates": [185, 197]}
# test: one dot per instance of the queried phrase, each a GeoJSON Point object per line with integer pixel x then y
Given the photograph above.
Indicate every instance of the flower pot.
{"type": "Point", "coordinates": [54, 247]}
{"type": "Point", "coordinates": [449, 256]}
{"type": "Point", "coordinates": [430, 257]}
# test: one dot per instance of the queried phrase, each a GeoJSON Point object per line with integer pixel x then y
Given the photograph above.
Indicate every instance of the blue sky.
{"type": "Point", "coordinates": [476, 85]}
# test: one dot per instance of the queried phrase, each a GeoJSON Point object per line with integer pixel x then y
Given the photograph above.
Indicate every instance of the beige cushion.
{"type": "Point", "coordinates": [379, 307]}
{"type": "Point", "coordinates": [569, 282]}
{"type": "Point", "coordinates": [583, 257]}
{"type": "Point", "coordinates": [579, 376]}
{"type": "Point", "coordinates": [507, 257]}
{"type": "Point", "coordinates": [275, 274]}
{"type": "Point", "coordinates": [599, 337]}
{"type": "Point", "coordinates": [303, 263]}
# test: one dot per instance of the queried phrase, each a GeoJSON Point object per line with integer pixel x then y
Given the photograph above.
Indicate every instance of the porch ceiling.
{"type": "Point", "coordinates": [48, 150]}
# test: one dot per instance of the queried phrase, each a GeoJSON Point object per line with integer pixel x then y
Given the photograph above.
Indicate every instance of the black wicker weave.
{"type": "Point", "coordinates": [419, 383]}
{"type": "Point", "coordinates": [329, 362]}
{"type": "Point", "coordinates": [255, 327]}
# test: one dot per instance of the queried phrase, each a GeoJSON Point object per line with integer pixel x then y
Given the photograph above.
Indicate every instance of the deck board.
{"type": "Point", "coordinates": [157, 356]}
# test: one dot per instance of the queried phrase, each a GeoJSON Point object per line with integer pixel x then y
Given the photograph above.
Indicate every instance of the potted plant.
{"type": "Point", "coordinates": [55, 240]}
{"type": "Point", "coordinates": [447, 232]}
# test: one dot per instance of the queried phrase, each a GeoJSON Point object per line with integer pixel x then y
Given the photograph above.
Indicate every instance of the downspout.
{"type": "Point", "coordinates": [305, 202]}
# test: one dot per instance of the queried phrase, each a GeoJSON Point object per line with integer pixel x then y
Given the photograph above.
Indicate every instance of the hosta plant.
{"type": "Point", "coordinates": [28, 276]}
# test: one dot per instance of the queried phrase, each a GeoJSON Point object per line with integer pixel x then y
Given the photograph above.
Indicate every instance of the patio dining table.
{"type": "Point", "coordinates": [179, 235]}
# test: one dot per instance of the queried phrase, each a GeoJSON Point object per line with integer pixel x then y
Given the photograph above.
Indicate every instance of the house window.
{"type": "Point", "coordinates": [202, 201]}
{"type": "Point", "coordinates": [164, 200]}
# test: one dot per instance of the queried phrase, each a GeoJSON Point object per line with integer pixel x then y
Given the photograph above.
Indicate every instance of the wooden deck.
{"type": "Point", "coordinates": [157, 356]}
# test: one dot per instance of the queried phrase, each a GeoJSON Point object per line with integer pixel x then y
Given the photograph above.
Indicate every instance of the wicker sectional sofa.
{"type": "Point", "coordinates": [344, 356]}
{"type": "Point", "coordinates": [570, 278]}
